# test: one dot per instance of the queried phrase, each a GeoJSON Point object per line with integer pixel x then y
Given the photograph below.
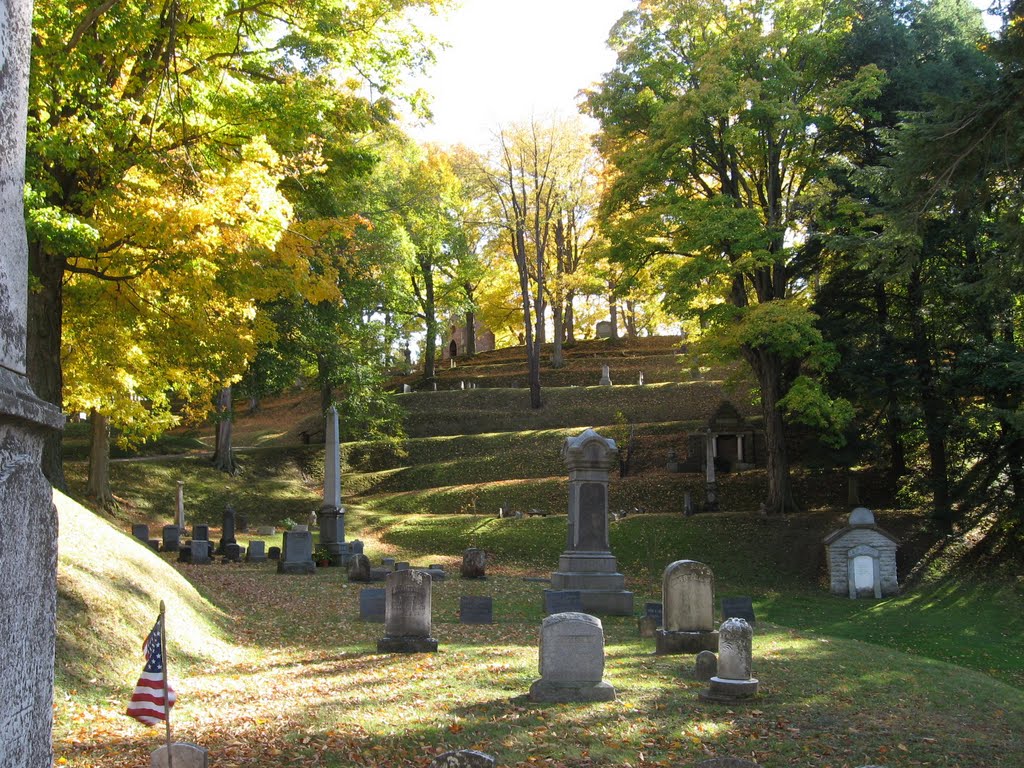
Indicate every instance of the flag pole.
{"type": "Point", "coordinates": [167, 704]}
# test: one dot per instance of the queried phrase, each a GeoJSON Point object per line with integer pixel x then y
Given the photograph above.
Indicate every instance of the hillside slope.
{"type": "Point", "coordinates": [109, 588]}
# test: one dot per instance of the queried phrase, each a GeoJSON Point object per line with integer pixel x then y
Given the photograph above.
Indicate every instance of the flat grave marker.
{"type": "Point", "coordinates": [372, 605]}
{"type": "Point", "coordinates": [476, 609]}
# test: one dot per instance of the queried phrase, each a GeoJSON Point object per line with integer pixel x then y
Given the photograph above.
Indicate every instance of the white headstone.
{"type": "Point", "coordinates": [183, 754]}
{"type": "Point", "coordinates": [571, 660]}
{"type": "Point", "coordinates": [688, 596]}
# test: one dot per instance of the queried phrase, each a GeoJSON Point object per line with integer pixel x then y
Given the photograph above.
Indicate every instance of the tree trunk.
{"type": "Point", "coordinates": [98, 487]}
{"type": "Point", "coordinates": [323, 377]}
{"type": "Point", "coordinates": [223, 457]}
{"type": "Point", "coordinates": [430, 320]}
{"type": "Point", "coordinates": [532, 349]}
{"type": "Point", "coordinates": [557, 358]}
{"type": "Point", "coordinates": [570, 319]}
{"type": "Point", "coordinates": [932, 407]}
{"type": "Point", "coordinates": [893, 428]}
{"type": "Point", "coordinates": [470, 333]}
{"type": "Point", "coordinates": [43, 363]}
{"type": "Point", "coordinates": [767, 368]}
{"type": "Point", "coordinates": [613, 312]}
{"type": "Point", "coordinates": [631, 319]}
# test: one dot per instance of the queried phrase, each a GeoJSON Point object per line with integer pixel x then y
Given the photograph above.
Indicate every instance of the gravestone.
{"type": "Point", "coordinates": [688, 508]}
{"type": "Point", "coordinates": [179, 506]}
{"type": "Point", "coordinates": [154, 544]}
{"type": "Point", "coordinates": [274, 553]}
{"type": "Point", "coordinates": [587, 564]}
{"type": "Point", "coordinates": [688, 597]}
{"type": "Point", "coordinates": [463, 758]}
{"type": "Point", "coordinates": [332, 514]}
{"type": "Point", "coordinates": [734, 681]}
{"type": "Point", "coordinates": [388, 562]}
{"type": "Point", "coordinates": [141, 532]}
{"type": "Point", "coordinates": [201, 532]}
{"type": "Point", "coordinates": [640, 379]}
{"type": "Point", "coordinates": [474, 564]}
{"type": "Point", "coordinates": [407, 614]}
{"type": "Point", "coordinates": [171, 538]}
{"type": "Point", "coordinates": [710, 483]}
{"type": "Point", "coordinates": [242, 524]}
{"type": "Point", "coordinates": [183, 755]}
{"type": "Point", "coordinates": [606, 377]}
{"type": "Point", "coordinates": [672, 463]}
{"type": "Point", "coordinates": [655, 611]}
{"type": "Point", "coordinates": [562, 601]}
{"type": "Point", "coordinates": [571, 660]}
{"type": "Point", "coordinates": [372, 605]}
{"type": "Point", "coordinates": [705, 666]}
{"type": "Point", "coordinates": [227, 530]}
{"type": "Point", "coordinates": [266, 530]}
{"type": "Point", "coordinates": [862, 558]}
{"type": "Point", "coordinates": [436, 572]}
{"type": "Point", "coordinates": [359, 568]}
{"type": "Point", "coordinates": [199, 552]}
{"type": "Point", "coordinates": [232, 553]}
{"type": "Point", "coordinates": [603, 329]}
{"type": "Point", "coordinates": [406, 389]}
{"type": "Point", "coordinates": [476, 609]}
{"type": "Point", "coordinates": [256, 553]}
{"type": "Point", "coordinates": [402, 566]}
{"type": "Point", "coordinates": [296, 553]}
{"type": "Point", "coordinates": [738, 608]}
{"type": "Point", "coordinates": [646, 626]}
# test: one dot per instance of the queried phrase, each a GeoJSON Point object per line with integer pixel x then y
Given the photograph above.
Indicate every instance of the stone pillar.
{"type": "Point", "coordinates": [587, 565]}
{"type": "Point", "coordinates": [179, 510]}
{"type": "Point", "coordinates": [711, 485]}
{"type": "Point", "coordinates": [28, 523]}
{"type": "Point", "coordinates": [332, 514]}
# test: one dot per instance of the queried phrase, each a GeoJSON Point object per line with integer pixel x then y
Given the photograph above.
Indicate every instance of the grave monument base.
{"type": "Point", "coordinates": [296, 567]}
{"type": "Point", "coordinates": [594, 576]}
{"type": "Point", "coordinates": [407, 645]}
{"type": "Point", "coordinates": [724, 691]}
{"type": "Point", "coordinates": [669, 642]}
{"type": "Point", "coordinates": [545, 690]}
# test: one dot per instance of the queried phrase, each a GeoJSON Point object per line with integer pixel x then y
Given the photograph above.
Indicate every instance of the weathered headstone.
{"type": "Point", "coordinates": [562, 601]}
{"type": "Point", "coordinates": [571, 660]}
{"type": "Point", "coordinates": [388, 562]}
{"type": "Point", "coordinates": [28, 523]}
{"type": "Point", "coordinates": [227, 530]}
{"type": "Point", "coordinates": [672, 463]}
{"type": "Point", "coordinates": [233, 552]}
{"type": "Point", "coordinates": [372, 604]}
{"type": "Point", "coordinates": [688, 508]}
{"type": "Point", "coordinates": [705, 666]}
{"type": "Point", "coordinates": [154, 544]}
{"type": "Point", "coordinates": [199, 552]}
{"type": "Point", "coordinates": [738, 608]}
{"type": "Point", "coordinates": [141, 532]}
{"type": "Point", "coordinates": [463, 758]}
{"type": "Point", "coordinates": [183, 755]}
{"type": "Point", "coordinates": [359, 568]}
{"type": "Point", "coordinates": [297, 553]}
{"type": "Point", "coordinates": [475, 609]}
{"type": "Point", "coordinates": [266, 530]}
{"type": "Point", "coordinates": [603, 329]}
{"type": "Point", "coordinates": [407, 622]}
{"type": "Point", "coordinates": [171, 538]}
{"type": "Point", "coordinates": [734, 681]}
{"type": "Point", "coordinates": [402, 566]}
{"type": "Point", "coordinates": [606, 377]}
{"type": "Point", "coordinates": [256, 552]}
{"type": "Point", "coordinates": [640, 379]}
{"type": "Point", "coordinates": [201, 532]}
{"type": "Point", "coordinates": [688, 598]}
{"type": "Point", "coordinates": [406, 389]}
{"type": "Point", "coordinates": [274, 553]}
{"type": "Point", "coordinates": [587, 564]}
{"type": "Point", "coordinates": [474, 564]}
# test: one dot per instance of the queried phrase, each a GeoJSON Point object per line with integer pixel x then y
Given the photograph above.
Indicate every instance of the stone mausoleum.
{"type": "Point", "coordinates": [862, 558]}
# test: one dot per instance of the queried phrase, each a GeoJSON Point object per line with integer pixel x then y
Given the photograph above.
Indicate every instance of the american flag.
{"type": "Point", "coordinates": [147, 702]}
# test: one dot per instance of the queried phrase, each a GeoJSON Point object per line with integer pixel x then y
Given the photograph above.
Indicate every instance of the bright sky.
{"type": "Point", "coordinates": [510, 59]}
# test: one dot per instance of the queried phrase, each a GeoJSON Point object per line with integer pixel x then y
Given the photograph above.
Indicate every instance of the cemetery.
{"type": "Point", "coordinates": [685, 435]}
{"type": "Point", "coordinates": [514, 638]}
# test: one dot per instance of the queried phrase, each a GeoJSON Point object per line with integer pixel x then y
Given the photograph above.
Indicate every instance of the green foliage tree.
{"type": "Point", "coordinates": [715, 120]}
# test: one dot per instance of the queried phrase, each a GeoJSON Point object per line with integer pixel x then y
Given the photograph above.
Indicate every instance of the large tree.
{"type": "Point", "coordinates": [716, 119]}
{"type": "Point", "coordinates": [171, 91]}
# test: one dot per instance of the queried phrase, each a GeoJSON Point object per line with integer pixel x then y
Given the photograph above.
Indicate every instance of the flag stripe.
{"type": "Point", "coordinates": [147, 701]}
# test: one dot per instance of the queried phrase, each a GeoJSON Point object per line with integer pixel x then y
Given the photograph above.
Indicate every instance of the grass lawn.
{"type": "Point", "coordinates": [278, 670]}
